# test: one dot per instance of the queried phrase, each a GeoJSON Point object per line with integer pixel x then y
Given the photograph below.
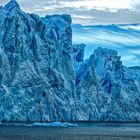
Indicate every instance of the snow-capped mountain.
{"type": "Point", "coordinates": [44, 78]}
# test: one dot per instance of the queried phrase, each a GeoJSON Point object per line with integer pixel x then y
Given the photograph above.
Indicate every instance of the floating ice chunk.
{"type": "Point", "coordinates": [57, 124]}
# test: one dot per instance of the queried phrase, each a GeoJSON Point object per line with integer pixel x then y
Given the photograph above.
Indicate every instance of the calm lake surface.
{"type": "Point", "coordinates": [84, 131]}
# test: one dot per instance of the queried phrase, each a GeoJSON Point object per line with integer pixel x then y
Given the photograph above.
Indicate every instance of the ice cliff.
{"type": "Point", "coordinates": [107, 90]}
{"type": "Point", "coordinates": [44, 78]}
{"type": "Point", "coordinates": [36, 72]}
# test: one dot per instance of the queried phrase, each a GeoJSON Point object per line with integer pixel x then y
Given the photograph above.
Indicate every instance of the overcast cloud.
{"type": "Point", "coordinates": [86, 12]}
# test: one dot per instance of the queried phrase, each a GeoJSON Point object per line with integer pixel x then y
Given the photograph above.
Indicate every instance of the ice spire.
{"type": "Point", "coordinates": [13, 4]}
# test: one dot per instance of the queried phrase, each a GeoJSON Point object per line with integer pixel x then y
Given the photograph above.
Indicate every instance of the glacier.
{"type": "Point", "coordinates": [45, 78]}
{"type": "Point", "coordinates": [107, 90]}
{"type": "Point", "coordinates": [36, 72]}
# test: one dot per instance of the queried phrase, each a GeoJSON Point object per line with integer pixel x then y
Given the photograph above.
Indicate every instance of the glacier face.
{"type": "Point", "coordinates": [108, 90]}
{"type": "Point", "coordinates": [36, 72]}
{"type": "Point", "coordinates": [44, 78]}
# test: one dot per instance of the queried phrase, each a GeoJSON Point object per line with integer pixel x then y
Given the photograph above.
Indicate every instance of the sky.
{"type": "Point", "coordinates": [86, 12]}
{"type": "Point", "coordinates": [123, 38]}
{"type": "Point", "coordinates": [97, 12]}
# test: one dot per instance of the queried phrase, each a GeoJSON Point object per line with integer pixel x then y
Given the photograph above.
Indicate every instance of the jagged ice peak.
{"type": "Point", "coordinates": [13, 4]}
